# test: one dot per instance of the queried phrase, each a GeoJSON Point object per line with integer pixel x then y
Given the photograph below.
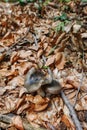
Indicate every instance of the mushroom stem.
{"type": "Point", "coordinates": [40, 92]}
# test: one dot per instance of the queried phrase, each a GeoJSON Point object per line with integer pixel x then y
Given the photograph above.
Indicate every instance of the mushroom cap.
{"type": "Point", "coordinates": [54, 87]}
{"type": "Point", "coordinates": [33, 80]}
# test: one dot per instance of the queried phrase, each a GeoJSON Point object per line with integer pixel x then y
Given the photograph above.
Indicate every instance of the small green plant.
{"type": "Point", "coordinates": [45, 67]}
{"type": "Point", "coordinates": [64, 0]}
{"type": "Point", "coordinates": [62, 17]}
{"type": "Point", "coordinates": [61, 26]}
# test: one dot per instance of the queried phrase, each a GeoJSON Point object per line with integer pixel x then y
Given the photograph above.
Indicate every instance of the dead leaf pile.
{"type": "Point", "coordinates": [26, 34]}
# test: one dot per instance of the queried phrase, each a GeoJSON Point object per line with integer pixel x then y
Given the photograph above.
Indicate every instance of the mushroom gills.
{"type": "Point", "coordinates": [54, 87]}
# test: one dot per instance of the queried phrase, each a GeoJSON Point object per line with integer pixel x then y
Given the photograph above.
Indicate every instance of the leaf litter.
{"type": "Point", "coordinates": [65, 53]}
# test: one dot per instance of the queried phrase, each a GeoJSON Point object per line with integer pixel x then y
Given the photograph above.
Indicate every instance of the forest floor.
{"type": "Point", "coordinates": [57, 31]}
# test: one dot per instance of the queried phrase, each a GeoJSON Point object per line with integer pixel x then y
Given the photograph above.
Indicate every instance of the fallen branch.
{"type": "Point", "coordinates": [72, 112]}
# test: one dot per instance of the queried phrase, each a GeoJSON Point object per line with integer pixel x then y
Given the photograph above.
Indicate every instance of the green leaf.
{"type": "Point", "coordinates": [83, 1]}
{"type": "Point", "coordinates": [62, 17]}
{"type": "Point", "coordinates": [65, 0]}
{"type": "Point", "coordinates": [60, 27]}
{"type": "Point", "coordinates": [45, 67]}
{"type": "Point", "coordinates": [46, 2]}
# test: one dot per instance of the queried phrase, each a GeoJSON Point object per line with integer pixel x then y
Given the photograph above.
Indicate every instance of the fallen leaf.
{"type": "Point", "coordinates": [38, 100]}
{"type": "Point", "coordinates": [60, 61]}
{"type": "Point", "coordinates": [66, 121]}
{"type": "Point", "coordinates": [73, 83]}
{"type": "Point", "coordinates": [40, 107]}
{"type": "Point", "coordinates": [2, 90]}
{"type": "Point", "coordinates": [17, 81]}
{"type": "Point", "coordinates": [29, 98]}
{"type": "Point", "coordinates": [25, 54]}
{"type": "Point", "coordinates": [31, 116]}
{"type": "Point", "coordinates": [14, 57]}
{"type": "Point", "coordinates": [50, 60]}
{"type": "Point", "coordinates": [84, 35]}
{"type": "Point", "coordinates": [17, 122]}
{"type": "Point", "coordinates": [40, 52]}
{"type": "Point", "coordinates": [76, 28]}
{"type": "Point", "coordinates": [22, 108]}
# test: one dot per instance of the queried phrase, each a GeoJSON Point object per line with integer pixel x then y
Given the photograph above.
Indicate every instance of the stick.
{"type": "Point", "coordinates": [72, 112]}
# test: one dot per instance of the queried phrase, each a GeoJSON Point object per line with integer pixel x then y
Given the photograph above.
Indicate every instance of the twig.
{"type": "Point", "coordinates": [72, 112]}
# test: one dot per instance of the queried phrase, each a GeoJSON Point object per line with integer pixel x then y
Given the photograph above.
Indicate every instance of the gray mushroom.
{"type": "Point", "coordinates": [54, 87]}
{"type": "Point", "coordinates": [34, 80]}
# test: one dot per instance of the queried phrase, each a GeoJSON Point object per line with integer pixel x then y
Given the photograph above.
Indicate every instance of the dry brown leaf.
{"type": "Point", "coordinates": [2, 56]}
{"type": "Point", "coordinates": [50, 60]}
{"type": "Point", "coordinates": [40, 107]}
{"type": "Point", "coordinates": [60, 61]}
{"type": "Point", "coordinates": [12, 128]}
{"type": "Point", "coordinates": [40, 52]}
{"type": "Point", "coordinates": [2, 90]}
{"type": "Point", "coordinates": [66, 121]}
{"type": "Point", "coordinates": [29, 98]}
{"type": "Point", "coordinates": [23, 67]}
{"type": "Point", "coordinates": [84, 102]}
{"type": "Point", "coordinates": [10, 104]}
{"type": "Point", "coordinates": [17, 81]}
{"type": "Point", "coordinates": [73, 83]}
{"type": "Point", "coordinates": [17, 122]}
{"type": "Point", "coordinates": [76, 28]}
{"type": "Point", "coordinates": [34, 47]}
{"type": "Point", "coordinates": [39, 100]}
{"type": "Point", "coordinates": [12, 74]}
{"type": "Point", "coordinates": [19, 103]}
{"type": "Point", "coordinates": [71, 95]}
{"type": "Point", "coordinates": [45, 45]}
{"type": "Point", "coordinates": [3, 72]}
{"type": "Point", "coordinates": [14, 57]}
{"type": "Point", "coordinates": [68, 27]}
{"type": "Point", "coordinates": [31, 116]}
{"type": "Point", "coordinates": [23, 107]}
{"type": "Point", "coordinates": [85, 10]}
{"type": "Point", "coordinates": [68, 86]}
{"type": "Point", "coordinates": [25, 54]}
{"type": "Point", "coordinates": [22, 91]}
{"type": "Point", "coordinates": [84, 35]}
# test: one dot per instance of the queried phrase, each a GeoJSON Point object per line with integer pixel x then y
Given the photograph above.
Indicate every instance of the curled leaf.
{"type": "Point", "coordinates": [17, 121]}
{"type": "Point", "coordinates": [60, 60]}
